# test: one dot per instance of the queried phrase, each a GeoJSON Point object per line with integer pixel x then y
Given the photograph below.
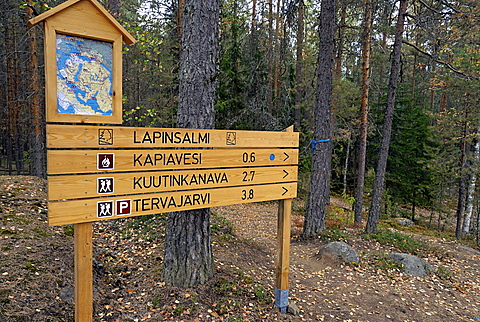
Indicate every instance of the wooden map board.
{"type": "Point", "coordinates": [70, 85]}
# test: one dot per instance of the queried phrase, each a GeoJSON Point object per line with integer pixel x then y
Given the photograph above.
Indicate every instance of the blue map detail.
{"type": "Point", "coordinates": [84, 76]}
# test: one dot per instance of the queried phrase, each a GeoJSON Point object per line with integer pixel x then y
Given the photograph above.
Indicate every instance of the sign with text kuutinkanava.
{"type": "Point", "coordinates": [116, 172]}
{"type": "Point", "coordinates": [83, 63]}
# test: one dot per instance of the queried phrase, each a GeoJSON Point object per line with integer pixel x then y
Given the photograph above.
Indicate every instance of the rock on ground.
{"type": "Point", "coordinates": [339, 250]}
{"type": "Point", "coordinates": [412, 265]}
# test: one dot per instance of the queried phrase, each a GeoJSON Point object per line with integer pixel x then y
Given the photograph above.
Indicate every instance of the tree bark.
{"type": "Point", "coordinates": [319, 194]}
{"type": "Point", "coordinates": [471, 185]}
{"type": "Point", "coordinates": [340, 40]}
{"type": "Point", "coordinates": [462, 180]}
{"type": "Point", "coordinates": [114, 7]}
{"type": "Point", "coordinates": [378, 185]}
{"type": "Point", "coordinates": [299, 65]}
{"type": "Point", "coordinates": [38, 146]}
{"type": "Point", "coordinates": [188, 251]}
{"type": "Point", "coordinates": [362, 150]}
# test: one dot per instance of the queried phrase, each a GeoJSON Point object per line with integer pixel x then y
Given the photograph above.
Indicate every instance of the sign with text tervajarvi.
{"type": "Point", "coordinates": [108, 172]}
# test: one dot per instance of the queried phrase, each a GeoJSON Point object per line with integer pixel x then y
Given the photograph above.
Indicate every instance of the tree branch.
{"type": "Point", "coordinates": [435, 10]}
{"type": "Point", "coordinates": [446, 64]}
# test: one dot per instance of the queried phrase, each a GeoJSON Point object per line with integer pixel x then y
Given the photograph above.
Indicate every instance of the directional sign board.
{"type": "Point", "coordinates": [87, 210]}
{"type": "Point", "coordinates": [90, 161]}
{"type": "Point", "coordinates": [99, 173]}
{"type": "Point", "coordinates": [67, 136]}
{"type": "Point", "coordinates": [101, 185]}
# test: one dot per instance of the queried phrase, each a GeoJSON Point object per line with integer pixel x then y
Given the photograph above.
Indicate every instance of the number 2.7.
{"type": "Point", "coordinates": [248, 176]}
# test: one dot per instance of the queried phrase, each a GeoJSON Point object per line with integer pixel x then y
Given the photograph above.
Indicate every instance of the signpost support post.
{"type": "Point", "coordinates": [83, 250]}
{"type": "Point", "coordinates": [283, 236]}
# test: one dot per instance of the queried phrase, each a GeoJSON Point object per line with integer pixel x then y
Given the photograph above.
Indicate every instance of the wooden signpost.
{"type": "Point", "coordinates": [139, 177]}
{"type": "Point", "coordinates": [108, 172]}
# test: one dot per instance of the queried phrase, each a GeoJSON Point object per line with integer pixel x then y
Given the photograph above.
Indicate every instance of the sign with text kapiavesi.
{"type": "Point", "coordinates": [91, 161]}
{"type": "Point", "coordinates": [87, 210]}
{"type": "Point", "coordinates": [101, 185]}
{"type": "Point", "coordinates": [111, 137]}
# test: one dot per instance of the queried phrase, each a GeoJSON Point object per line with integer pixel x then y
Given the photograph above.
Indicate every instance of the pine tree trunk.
{"type": "Point", "coordinates": [36, 107]}
{"type": "Point", "coordinates": [113, 6]}
{"type": "Point", "coordinates": [270, 56]}
{"type": "Point", "coordinates": [188, 251]}
{"type": "Point", "coordinates": [362, 150]}
{"type": "Point", "coordinates": [299, 65]}
{"type": "Point", "coordinates": [374, 213]}
{"type": "Point", "coordinates": [340, 40]}
{"type": "Point", "coordinates": [319, 194]}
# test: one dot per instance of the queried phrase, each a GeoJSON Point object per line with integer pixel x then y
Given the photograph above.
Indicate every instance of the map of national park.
{"type": "Point", "coordinates": [84, 76]}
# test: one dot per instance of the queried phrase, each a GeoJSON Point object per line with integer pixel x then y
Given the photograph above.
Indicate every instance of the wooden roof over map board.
{"type": "Point", "coordinates": [86, 18]}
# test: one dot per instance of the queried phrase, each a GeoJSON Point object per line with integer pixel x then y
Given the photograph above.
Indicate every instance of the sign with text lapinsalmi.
{"type": "Point", "coordinates": [107, 172]}
{"type": "Point", "coordinates": [111, 137]}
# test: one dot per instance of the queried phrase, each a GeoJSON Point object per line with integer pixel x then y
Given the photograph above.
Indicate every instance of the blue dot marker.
{"type": "Point", "coordinates": [272, 157]}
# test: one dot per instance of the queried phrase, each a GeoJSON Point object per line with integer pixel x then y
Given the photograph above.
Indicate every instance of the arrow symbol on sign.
{"type": "Point", "coordinates": [285, 191]}
{"type": "Point", "coordinates": [286, 156]}
{"type": "Point", "coordinates": [286, 174]}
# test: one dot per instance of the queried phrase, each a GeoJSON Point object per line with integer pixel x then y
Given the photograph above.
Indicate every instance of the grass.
{"type": "Point", "coordinates": [403, 243]}
{"type": "Point", "coordinates": [383, 261]}
{"type": "Point", "coordinates": [334, 234]}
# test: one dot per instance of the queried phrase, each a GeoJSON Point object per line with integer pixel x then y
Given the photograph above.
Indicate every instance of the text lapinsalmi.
{"type": "Point", "coordinates": [166, 159]}
{"type": "Point", "coordinates": [172, 180]}
{"type": "Point", "coordinates": [164, 137]}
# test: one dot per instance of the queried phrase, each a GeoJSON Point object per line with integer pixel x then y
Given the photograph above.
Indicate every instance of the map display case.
{"type": "Point", "coordinates": [83, 63]}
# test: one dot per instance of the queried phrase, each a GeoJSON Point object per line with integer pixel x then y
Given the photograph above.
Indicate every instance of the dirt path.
{"type": "Point", "coordinates": [328, 291]}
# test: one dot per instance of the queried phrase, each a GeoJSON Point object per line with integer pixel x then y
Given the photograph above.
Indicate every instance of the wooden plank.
{"type": "Point", "coordinates": [89, 186]}
{"type": "Point", "coordinates": [81, 136]}
{"type": "Point", "coordinates": [83, 250]}
{"type": "Point", "coordinates": [92, 161]}
{"type": "Point", "coordinates": [87, 210]}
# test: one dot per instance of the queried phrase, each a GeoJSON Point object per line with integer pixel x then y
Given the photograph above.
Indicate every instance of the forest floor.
{"type": "Point", "coordinates": [36, 270]}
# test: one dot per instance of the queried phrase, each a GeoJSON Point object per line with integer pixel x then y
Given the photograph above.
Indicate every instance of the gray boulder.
{"type": "Point", "coordinates": [412, 265]}
{"type": "Point", "coordinates": [339, 250]}
{"type": "Point", "coordinates": [405, 222]}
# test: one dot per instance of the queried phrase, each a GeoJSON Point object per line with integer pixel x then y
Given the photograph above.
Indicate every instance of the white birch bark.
{"type": "Point", "coordinates": [471, 186]}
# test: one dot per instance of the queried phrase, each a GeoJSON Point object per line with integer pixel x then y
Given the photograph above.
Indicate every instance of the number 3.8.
{"type": "Point", "coordinates": [247, 194]}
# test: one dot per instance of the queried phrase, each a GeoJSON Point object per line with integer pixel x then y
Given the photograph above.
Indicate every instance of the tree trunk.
{"type": "Point", "coordinates": [113, 6]}
{"type": "Point", "coordinates": [375, 207]}
{"type": "Point", "coordinates": [340, 40]}
{"type": "Point", "coordinates": [462, 181]}
{"type": "Point", "coordinates": [188, 251]}
{"type": "Point", "coordinates": [270, 56]}
{"type": "Point", "coordinates": [299, 65]}
{"type": "Point", "coordinates": [319, 194]}
{"type": "Point", "coordinates": [38, 147]}
{"type": "Point", "coordinates": [471, 185]}
{"type": "Point", "coordinates": [362, 149]}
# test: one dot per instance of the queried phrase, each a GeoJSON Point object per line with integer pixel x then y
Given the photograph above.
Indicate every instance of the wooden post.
{"type": "Point", "coordinates": [83, 272]}
{"type": "Point", "coordinates": [283, 260]}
